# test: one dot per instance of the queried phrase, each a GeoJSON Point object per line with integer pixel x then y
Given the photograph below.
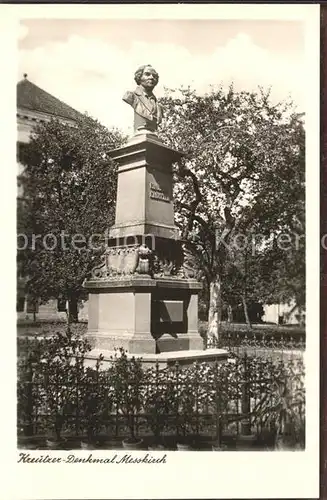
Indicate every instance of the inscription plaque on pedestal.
{"type": "Point", "coordinates": [156, 193]}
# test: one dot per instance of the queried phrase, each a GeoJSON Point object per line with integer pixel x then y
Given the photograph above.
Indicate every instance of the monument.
{"type": "Point", "coordinates": [144, 295]}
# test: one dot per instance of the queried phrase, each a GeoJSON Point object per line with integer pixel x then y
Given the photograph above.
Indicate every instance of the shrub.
{"type": "Point", "coordinates": [94, 400]}
{"type": "Point", "coordinates": [158, 400]}
{"type": "Point", "coordinates": [53, 367]}
{"type": "Point", "coordinates": [283, 410]}
{"type": "Point", "coordinates": [126, 379]}
{"type": "Point", "coordinates": [53, 381]}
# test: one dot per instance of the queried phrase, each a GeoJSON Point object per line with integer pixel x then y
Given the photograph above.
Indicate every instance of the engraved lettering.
{"type": "Point", "coordinates": [156, 193]}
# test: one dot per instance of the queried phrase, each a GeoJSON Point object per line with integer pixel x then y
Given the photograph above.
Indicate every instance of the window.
{"type": "Point", "coordinates": [21, 152]}
{"type": "Point", "coordinates": [32, 305]}
{"type": "Point", "coordinates": [19, 147]}
{"type": "Point", "coordinates": [20, 304]}
{"type": "Point", "coordinates": [62, 306]}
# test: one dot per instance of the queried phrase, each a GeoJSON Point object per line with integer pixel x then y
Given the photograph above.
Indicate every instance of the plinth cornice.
{"type": "Point", "coordinates": [150, 149]}
{"type": "Point", "coordinates": [141, 282]}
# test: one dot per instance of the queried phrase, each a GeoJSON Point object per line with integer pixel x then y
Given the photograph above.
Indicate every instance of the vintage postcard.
{"type": "Point", "coordinates": [163, 173]}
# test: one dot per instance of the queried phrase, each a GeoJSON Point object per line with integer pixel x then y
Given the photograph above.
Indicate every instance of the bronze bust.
{"type": "Point", "coordinates": [147, 110]}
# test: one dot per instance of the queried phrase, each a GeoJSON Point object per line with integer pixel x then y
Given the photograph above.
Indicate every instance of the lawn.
{"type": "Point", "coordinates": [48, 328]}
{"type": "Point", "coordinates": [28, 327]}
{"type": "Point", "coordinates": [227, 330]}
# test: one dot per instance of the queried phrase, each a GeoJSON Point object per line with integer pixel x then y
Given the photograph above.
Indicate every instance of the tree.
{"type": "Point", "coordinates": [69, 200]}
{"type": "Point", "coordinates": [270, 273]}
{"type": "Point", "coordinates": [243, 173]}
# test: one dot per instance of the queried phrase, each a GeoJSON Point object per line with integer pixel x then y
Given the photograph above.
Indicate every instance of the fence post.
{"type": "Point", "coordinates": [157, 390]}
{"type": "Point", "coordinates": [245, 399]}
{"type": "Point", "coordinates": [177, 400]}
{"type": "Point", "coordinates": [28, 427]}
{"type": "Point", "coordinates": [219, 429]}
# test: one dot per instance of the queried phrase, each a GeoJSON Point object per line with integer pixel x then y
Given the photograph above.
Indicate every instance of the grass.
{"type": "Point", "coordinates": [263, 332]}
{"type": "Point", "coordinates": [46, 328]}
{"type": "Point", "coordinates": [259, 329]}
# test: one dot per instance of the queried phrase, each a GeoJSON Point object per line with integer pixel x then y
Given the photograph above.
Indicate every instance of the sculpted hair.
{"type": "Point", "coordinates": [139, 72]}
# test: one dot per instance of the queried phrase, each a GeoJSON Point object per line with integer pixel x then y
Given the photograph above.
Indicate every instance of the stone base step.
{"type": "Point", "coordinates": [164, 359]}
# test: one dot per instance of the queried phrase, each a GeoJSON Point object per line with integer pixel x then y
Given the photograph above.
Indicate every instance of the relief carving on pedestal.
{"type": "Point", "coordinates": [178, 262]}
{"type": "Point", "coordinates": [144, 260]}
{"type": "Point", "coordinates": [128, 260]}
{"type": "Point", "coordinates": [163, 267]}
{"type": "Point", "coordinates": [117, 261]}
{"type": "Point", "coordinates": [188, 267]}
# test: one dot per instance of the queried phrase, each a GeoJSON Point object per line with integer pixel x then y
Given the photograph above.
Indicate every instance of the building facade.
{"type": "Point", "coordinates": [283, 314]}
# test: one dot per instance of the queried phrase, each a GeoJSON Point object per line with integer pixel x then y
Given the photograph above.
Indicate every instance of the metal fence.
{"type": "Point", "coordinates": [251, 394]}
{"type": "Point", "coordinates": [263, 344]}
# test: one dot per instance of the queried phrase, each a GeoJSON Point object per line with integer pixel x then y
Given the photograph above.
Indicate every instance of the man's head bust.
{"type": "Point", "coordinates": [147, 111]}
{"type": "Point", "coordinates": [146, 77]}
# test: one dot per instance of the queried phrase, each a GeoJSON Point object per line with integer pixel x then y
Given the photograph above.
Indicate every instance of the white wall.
{"type": "Point", "coordinates": [288, 311]}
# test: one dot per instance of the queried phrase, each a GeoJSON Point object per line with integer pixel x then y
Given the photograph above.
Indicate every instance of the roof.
{"type": "Point", "coordinates": [32, 97]}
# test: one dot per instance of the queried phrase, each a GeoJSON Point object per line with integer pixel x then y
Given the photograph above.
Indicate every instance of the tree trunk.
{"type": "Point", "coordinates": [229, 314]}
{"type": "Point", "coordinates": [73, 310]}
{"type": "Point", "coordinates": [246, 312]}
{"type": "Point", "coordinates": [215, 306]}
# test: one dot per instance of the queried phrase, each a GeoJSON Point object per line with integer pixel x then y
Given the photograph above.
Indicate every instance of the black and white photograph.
{"type": "Point", "coordinates": [166, 201]}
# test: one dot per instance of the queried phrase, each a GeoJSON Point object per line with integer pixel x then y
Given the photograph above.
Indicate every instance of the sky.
{"type": "Point", "coordinates": [89, 64]}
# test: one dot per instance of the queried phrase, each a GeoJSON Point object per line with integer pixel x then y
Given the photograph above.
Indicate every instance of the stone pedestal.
{"type": "Point", "coordinates": [143, 314]}
{"type": "Point", "coordinates": [143, 295]}
{"type": "Point", "coordinates": [144, 191]}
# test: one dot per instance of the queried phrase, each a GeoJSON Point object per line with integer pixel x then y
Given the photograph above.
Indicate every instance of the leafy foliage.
{"type": "Point", "coordinates": [69, 195]}
{"type": "Point", "coordinates": [282, 408]}
{"type": "Point", "coordinates": [54, 382]}
{"type": "Point", "coordinates": [95, 400]}
{"type": "Point", "coordinates": [48, 372]}
{"type": "Point", "coordinates": [158, 400]}
{"type": "Point", "coordinates": [243, 175]}
{"type": "Point", "coordinates": [126, 377]}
